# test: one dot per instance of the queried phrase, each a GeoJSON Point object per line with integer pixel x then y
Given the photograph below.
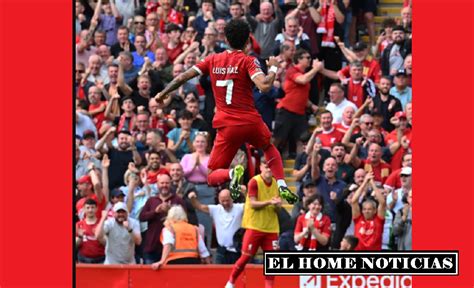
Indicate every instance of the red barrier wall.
{"type": "Point", "coordinates": [173, 276]}
{"type": "Point", "coordinates": [215, 276]}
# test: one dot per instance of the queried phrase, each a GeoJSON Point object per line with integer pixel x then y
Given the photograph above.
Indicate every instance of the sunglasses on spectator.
{"type": "Point", "coordinates": [139, 22]}
{"type": "Point", "coordinates": [79, 71]}
{"type": "Point", "coordinates": [402, 175]}
{"type": "Point", "coordinates": [369, 123]}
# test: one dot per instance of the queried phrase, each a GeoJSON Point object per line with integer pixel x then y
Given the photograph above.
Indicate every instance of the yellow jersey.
{"type": "Point", "coordinates": [264, 219]}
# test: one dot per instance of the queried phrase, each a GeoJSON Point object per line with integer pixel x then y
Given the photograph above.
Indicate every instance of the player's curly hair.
{"type": "Point", "coordinates": [237, 33]}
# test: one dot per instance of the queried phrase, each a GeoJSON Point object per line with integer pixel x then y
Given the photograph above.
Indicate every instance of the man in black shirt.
{"type": "Point", "coordinates": [385, 104]}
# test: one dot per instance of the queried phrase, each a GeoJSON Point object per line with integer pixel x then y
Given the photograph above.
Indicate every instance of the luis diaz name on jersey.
{"type": "Point", "coordinates": [225, 70]}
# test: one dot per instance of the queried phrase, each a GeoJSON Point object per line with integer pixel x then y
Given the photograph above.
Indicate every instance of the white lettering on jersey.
{"type": "Point", "coordinates": [225, 70]}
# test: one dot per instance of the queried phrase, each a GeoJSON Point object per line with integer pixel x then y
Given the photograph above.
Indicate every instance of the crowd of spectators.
{"type": "Point", "coordinates": [339, 106]}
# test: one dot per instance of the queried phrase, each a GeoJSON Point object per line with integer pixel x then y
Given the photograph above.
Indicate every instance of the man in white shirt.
{"type": "Point", "coordinates": [338, 102]}
{"type": "Point", "coordinates": [227, 218]}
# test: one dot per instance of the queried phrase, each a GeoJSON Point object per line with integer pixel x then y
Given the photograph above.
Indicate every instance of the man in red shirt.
{"type": "Point", "coordinates": [400, 121]}
{"type": "Point", "coordinates": [96, 107]}
{"type": "Point", "coordinates": [358, 87]}
{"type": "Point", "coordinates": [327, 133]}
{"type": "Point", "coordinates": [373, 163]}
{"type": "Point", "coordinates": [89, 187]}
{"type": "Point", "coordinates": [153, 169]}
{"type": "Point", "coordinates": [393, 181]}
{"type": "Point", "coordinates": [90, 250]}
{"type": "Point", "coordinates": [290, 119]}
{"type": "Point", "coordinates": [237, 120]}
{"type": "Point", "coordinates": [347, 117]}
{"type": "Point", "coordinates": [368, 225]}
{"type": "Point", "coordinates": [371, 68]}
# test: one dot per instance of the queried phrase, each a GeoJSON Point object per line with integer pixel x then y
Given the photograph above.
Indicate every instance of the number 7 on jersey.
{"type": "Point", "coordinates": [230, 85]}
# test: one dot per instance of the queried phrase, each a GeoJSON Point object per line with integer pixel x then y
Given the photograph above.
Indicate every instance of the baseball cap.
{"type": "Point", "coordinates": [401, 72]}
{"type": "Point", "coordinates": [116, 192]}
{"type": "Point", "coordinates": [405, 171]}
{"type": "Point", "coordinates": [120, 206]}
{"type": "Point", "coordinates": [125, 131]}
{"type": "Point", "coordinates": [398, 28]}
{"type": "Point", "coordinates": [359, 46]}
{"type": "Point", "coordinates": [88, 134]}
{"type": "Point", "coordinates": [401, 114]}
{"type": "Point", "coordinates": [84, 179]}
{"type": "Point", "coordinates": [127, 98]}
{"type": "Point", "coordinates": [308, 183]}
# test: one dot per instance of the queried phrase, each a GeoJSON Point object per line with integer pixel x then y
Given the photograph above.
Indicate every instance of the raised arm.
{"type": "Point", "coordinates": [196, 204]}
{"type": "Point", "coordinates": [105, 140]}
{"type": "Point", "coordinates": [337, 12]}
{"type": "Point", "coordinates": [348, 53]}
{"type": "Point", "coordinates": [110, 114]}
{"type": "Point", "coordinates": [105, 177]}
{"type": "Point", "coordinates": [355, 198]}
{"type": "Point", "coordinates": [299, 174]}
{"type": "Point", "coordinates": [315, 158]}
{"type": "Point", "coordinates": [175, 84]}
{"type": "Point", "coordinates": [97, 8]}
{"type": "Point", "coordinates": [353, 158]}
{"type": "Point", "coordinates": [95, 181]}
{"type": "Point", "coordinates": [136, 156]}
{"type": "Point", "coordinates": [193, 47]}
{"type": "Point", "coordinates": [382, 203]}
{"type": "Point", "coordinates": [127, 90]}
{"type": "Point", "coordinates": [115, 11]}
{"type": "Point", "coordinates": [132, 185]}
{"type": "Point", "coordinates": [99, 232]}
{"type": "Point", "coordinates": [346, 140]}
{"type": "Point", "coordinates": [394, 146]}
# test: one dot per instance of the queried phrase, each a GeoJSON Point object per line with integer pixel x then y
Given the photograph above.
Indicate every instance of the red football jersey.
{"type": "Point", "coordinates": [231, 75]}
{"type": "Point", "coordinates": [397, 158]}
{"type": "Point", "coordinates": [371, 69]}
{"type": "Point", "coordinates": [369, 233]}
{"type": "Point", "coordinates": [90, 246]}
{"type": "Point", "coordinates": [329, 137]}
{"type": "Point", "coordinates": [381, 171]}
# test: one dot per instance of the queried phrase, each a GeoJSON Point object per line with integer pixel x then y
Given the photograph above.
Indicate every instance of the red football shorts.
{"type": "Point", "coordinates": [230, 139]}
{"type": "Point", "coordinates": [254, 239]}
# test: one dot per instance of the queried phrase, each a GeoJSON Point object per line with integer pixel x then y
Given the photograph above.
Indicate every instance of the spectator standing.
{"type": "Point", "coordinates": [90, 250]}
{"type": "Point", "coordinates": [385, 103]}
{"type": "Point", "coordinates": [402, 225]}
{"type": "Point", "coordinates": [269, 24]}
{"type": "Point", "coordinates": [401, 90]}
{"type": "Point", "coordinates": [122, 233]}
{"type": "Point", "coordinates": [195, 171]}
{"type": "Point", "coordinates": [395, 53]}
{"type": "Point", "coordinates": [313, 227]}
{"type": "Point", "coordinates": [154, 212]}
{"type": "Point", "coordinates": [290, 119]}
{"type": "Point", "coordinates": [368, 224]}
{"type": "Point", "coordinates": [227, 218]}
{"type": "Point", "coordinates": [338, 103]}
